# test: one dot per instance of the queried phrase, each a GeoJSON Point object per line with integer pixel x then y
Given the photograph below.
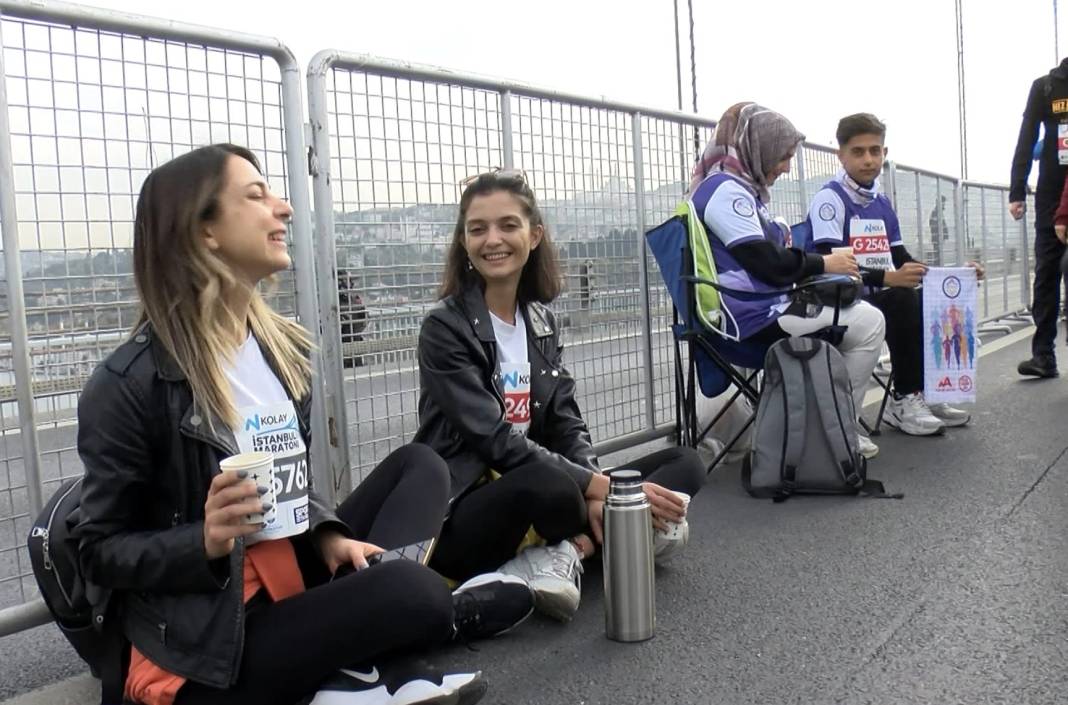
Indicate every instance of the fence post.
{"type": "Point", "coordinates": [643, 271]}
{"type": "Point", "coordinates": [1006, 255]}
{"type": "Point", "coordinates": [1025, 259]}
{"type": "Point", "coordinates": [984, 254]}
{"type": "Point", "coordinates": [960, 205]}
{"type": "Point", "coordinates": [16, 302]}
{"type": "Point", "coordinates": [919, 220]}
{"type": "Point", "coordinates": [891, 176]}
{"type": "Point", "coordinates": [507, 147]}
{"type": "Point", "coordinates": [336, 470]}
{"type": "Point", "coordinates": [802, 185]}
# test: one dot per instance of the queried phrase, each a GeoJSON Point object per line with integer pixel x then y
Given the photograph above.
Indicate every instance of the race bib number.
{"type": "Point", "coordinates": [516, 379]}
{"type": "Point", "coordinates": [274, 429]}
{"type": "Point", "coordinates": [870, 244]}
{"type": "Point", "coordinates": [1062, 143]}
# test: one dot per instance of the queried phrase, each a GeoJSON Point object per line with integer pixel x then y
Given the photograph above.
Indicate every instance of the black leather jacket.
{"type": "Point", "coordinates": [461, 400]}
{"type": "Point", "coordinates": [149, 459]}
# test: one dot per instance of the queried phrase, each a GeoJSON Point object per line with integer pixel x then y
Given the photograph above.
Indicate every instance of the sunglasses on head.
{"type": "Point", "coordinates": [498, 174]}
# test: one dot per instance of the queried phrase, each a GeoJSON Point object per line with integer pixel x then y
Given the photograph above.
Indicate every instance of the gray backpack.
{"type": "Point", "coordinates": [805, 438]}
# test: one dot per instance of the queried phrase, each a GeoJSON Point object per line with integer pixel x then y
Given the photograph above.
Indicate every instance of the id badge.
{"type": "Point", "coordinates": [1062, 144]}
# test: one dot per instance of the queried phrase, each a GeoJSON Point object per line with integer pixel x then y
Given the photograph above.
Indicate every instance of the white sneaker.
{"type": "Point", "coordinates": [554, 573]}
{"type": "Point", "coordinates": [950, 416]}
{"type": "Point", "coordinates": [402, 683]}
{"type": "Point", "coordinates": [868, 449]}
{"type": "Point", "coordinates": [910, 414]}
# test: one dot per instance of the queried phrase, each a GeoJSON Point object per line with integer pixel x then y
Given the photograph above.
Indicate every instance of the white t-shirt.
{"type": "Point", "coordinates": [252, 381]}
{"type": "Point", "coordinates": [514, 369]}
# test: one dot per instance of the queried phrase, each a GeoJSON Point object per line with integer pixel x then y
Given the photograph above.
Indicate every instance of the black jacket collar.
{"type": "Point", "coordinates": [478, 315]}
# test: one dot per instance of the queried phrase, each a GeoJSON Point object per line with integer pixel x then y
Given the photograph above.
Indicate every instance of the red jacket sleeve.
{"type": "Point", "coordinates": [1061, 217]}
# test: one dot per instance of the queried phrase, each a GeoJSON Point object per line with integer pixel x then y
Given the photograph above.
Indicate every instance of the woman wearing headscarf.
{"type": "Point", "coordinates": [751, 149]}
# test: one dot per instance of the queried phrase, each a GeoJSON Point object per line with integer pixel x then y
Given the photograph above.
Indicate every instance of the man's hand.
{"type": "Point", "coordinates": [1016, 209]}
{"type": "Point", "coordinates": [909, 276]}
{"type": "Point", "coordinates": [980, 270]}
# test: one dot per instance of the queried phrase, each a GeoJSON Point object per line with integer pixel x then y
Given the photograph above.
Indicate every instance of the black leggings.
{"type": "Point", "coordinates": [487, 524]}
{"type": "Point", "coordinates": [293, 645]}
{"type": "Point", "coordinates": [903, 310]}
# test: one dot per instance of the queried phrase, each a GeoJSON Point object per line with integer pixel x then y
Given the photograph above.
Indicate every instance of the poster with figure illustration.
{"type": "Point", "coordinates": [950, 295]}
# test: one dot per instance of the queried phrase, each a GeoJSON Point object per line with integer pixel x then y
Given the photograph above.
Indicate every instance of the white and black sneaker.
{"type": "Point", "coordinates": [910, 414]}
{"type": "Point", "coordinates": [410, 682]}
{"type": "Point", "coordinates": [490, 604]}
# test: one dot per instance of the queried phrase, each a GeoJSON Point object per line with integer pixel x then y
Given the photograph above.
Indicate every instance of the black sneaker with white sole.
{"type": "Point", "coordinates": [490, 604]}
{"type": "Point", "coordinates": [401, 682]}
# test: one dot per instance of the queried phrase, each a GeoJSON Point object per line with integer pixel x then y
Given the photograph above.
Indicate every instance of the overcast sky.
{"type": "Point", "coordinates": [813, 61]}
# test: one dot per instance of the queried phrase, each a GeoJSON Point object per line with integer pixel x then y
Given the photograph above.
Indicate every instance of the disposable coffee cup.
{"type": "Point", "coordinates": [678, 530]}
{"type": "Point", "coordinates": [841, 250]}
{"type": "Point", "coordinates": [260, 469]}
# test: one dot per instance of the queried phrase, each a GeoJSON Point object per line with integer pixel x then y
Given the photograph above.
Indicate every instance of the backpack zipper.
{"type": "Point", "coordinates": [43, 533]}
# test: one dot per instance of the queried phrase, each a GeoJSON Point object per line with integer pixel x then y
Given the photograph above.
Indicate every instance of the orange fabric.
{"type": "Point", "coordinates": [271, 565]}
{"type": "Point", "coordinates": [148, 683]}
{"type": "Point", "coordinates": [275, 562]}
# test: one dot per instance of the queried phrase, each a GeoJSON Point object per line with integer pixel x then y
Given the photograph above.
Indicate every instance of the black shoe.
{"type": "Point", "coordinates": [490, 604]}
{"type": "Point", "coordinates": [411, 681]}
{"type": "Point", "coordinates": [1039, 366]}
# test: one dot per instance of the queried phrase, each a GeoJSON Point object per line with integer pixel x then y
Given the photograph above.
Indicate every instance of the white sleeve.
{"type": "Point", "coordinates": [730, 215]}
{"type": "Point", "coordinates": [827, 215]}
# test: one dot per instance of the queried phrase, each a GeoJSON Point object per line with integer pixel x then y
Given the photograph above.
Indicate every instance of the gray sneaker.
{"type": "Point", "coordinates": [910, 414]}
{"type": "Point", "coordinates": [950, 416]}
{"type": "Point", "coordinates": [868, 449]}
{"type": "Point", "coordinates": [554, 573]}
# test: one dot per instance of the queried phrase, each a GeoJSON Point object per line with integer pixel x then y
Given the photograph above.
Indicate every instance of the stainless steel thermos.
{"type": "Point", "coordinates": [629, 581]}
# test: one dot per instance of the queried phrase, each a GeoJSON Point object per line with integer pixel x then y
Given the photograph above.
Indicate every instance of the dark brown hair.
{"type": "Point", "coordinates": [859, 124]}
{"type": "Point", "coordinates": [540, 280]}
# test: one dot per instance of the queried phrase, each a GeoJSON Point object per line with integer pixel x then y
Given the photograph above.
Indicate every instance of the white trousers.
{"type": "Point", "coordinates": [861, 346]}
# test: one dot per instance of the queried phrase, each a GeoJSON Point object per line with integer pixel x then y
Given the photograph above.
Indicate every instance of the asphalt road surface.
{"type": "Point", "coordinates": [956, 594]}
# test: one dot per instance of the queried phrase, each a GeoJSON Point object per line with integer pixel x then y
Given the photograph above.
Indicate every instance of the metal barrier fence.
{"type": "Point", "coordinates": [91, 100]}
{"type": "Point", "coordinates": [391, 142]}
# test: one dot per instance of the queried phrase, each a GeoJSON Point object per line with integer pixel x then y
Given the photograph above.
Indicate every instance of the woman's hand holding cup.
{"type": "Point", "coordinates": [232, 498]}
{"type": "Point", "coordinates": [241, 498]}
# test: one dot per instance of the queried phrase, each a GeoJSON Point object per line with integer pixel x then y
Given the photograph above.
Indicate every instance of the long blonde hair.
{"type": "Point", "coordinates": [182, 284]}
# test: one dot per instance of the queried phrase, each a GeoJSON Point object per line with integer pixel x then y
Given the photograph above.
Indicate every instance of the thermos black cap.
{"type": "Point", "coordinates": [625, 481]}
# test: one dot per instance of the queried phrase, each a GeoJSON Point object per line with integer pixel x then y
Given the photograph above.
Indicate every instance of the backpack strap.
{"type": "Point", "coordinates": [115, 660]}
{"type": "Point", "coordinates": [837, 416]}
{"type": "Point", "coordinates": [794, 398]}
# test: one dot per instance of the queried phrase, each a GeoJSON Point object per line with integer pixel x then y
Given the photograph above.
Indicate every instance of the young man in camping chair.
{"type": "Point", "coordinates": [849, 211]}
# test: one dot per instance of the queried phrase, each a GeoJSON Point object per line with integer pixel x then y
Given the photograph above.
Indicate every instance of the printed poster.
{"type": "Point", "coordinates": [950, 295]}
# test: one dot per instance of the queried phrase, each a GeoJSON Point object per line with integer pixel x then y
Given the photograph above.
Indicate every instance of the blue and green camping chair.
{"type": "Point", "coordinates": [714, 358]}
